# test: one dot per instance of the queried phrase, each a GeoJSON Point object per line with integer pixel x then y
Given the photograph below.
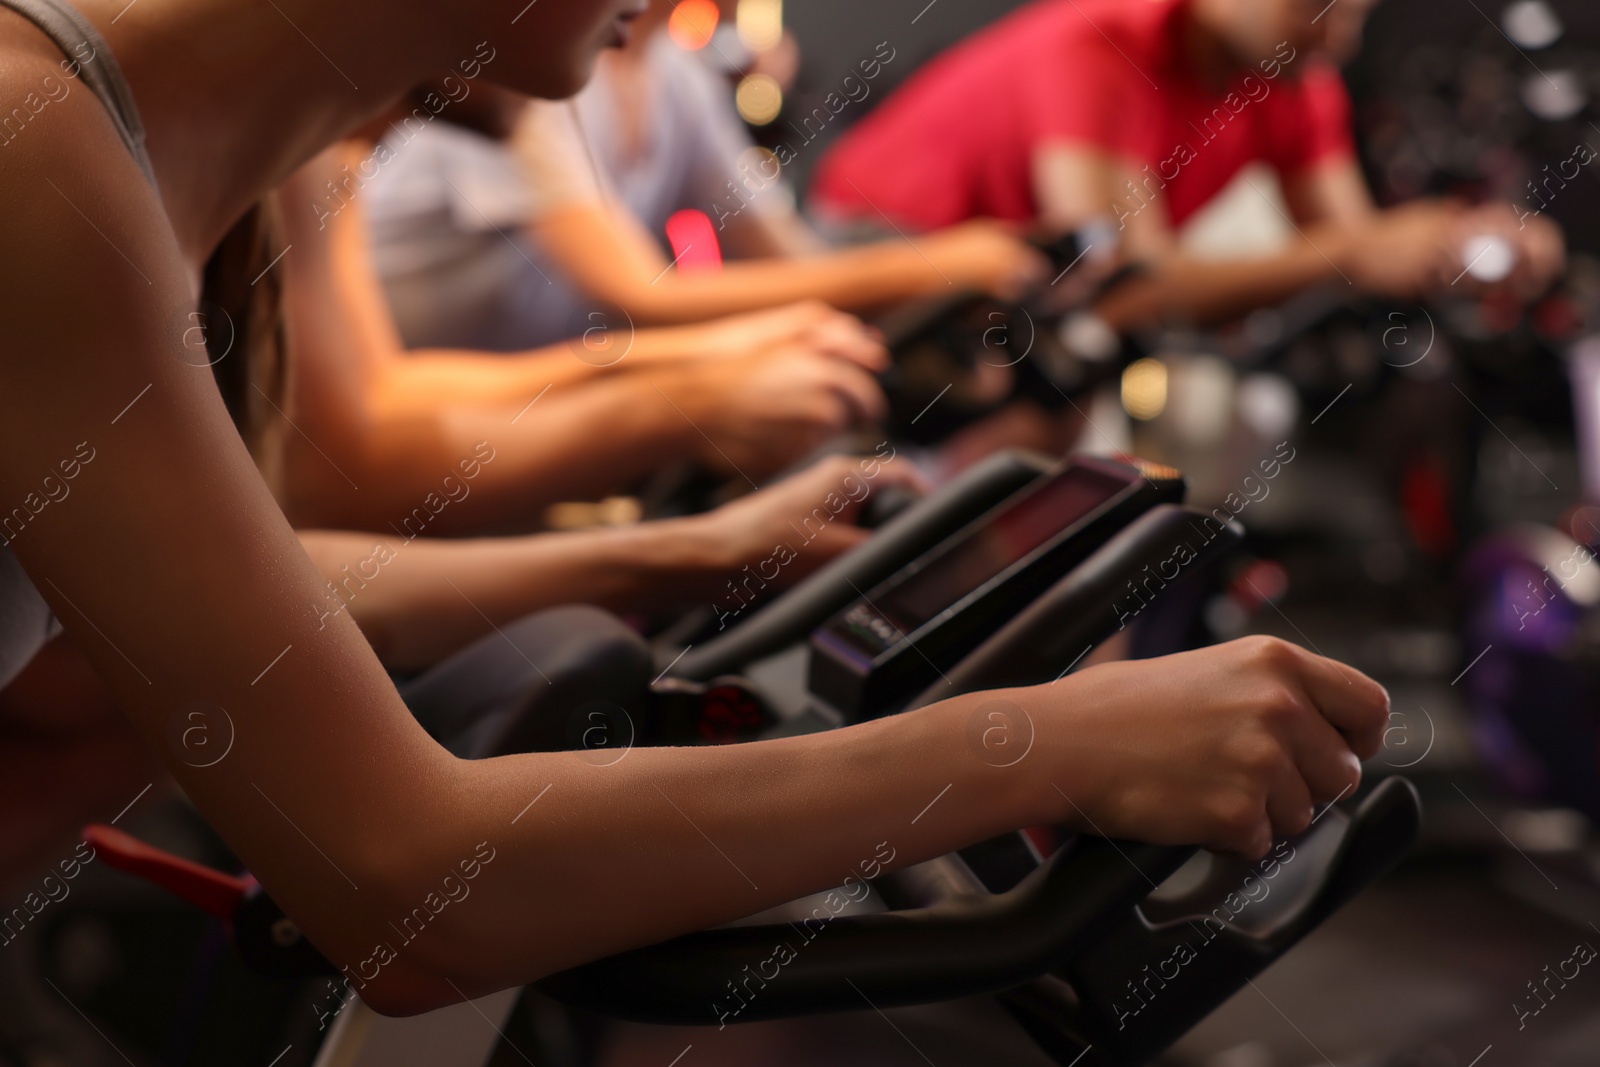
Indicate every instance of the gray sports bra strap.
{"type": "Point", "coordinates": [64, 25]}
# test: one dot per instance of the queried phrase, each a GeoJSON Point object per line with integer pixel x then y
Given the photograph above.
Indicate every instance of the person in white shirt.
{"type": "Point", "coordinates": [583, 189]}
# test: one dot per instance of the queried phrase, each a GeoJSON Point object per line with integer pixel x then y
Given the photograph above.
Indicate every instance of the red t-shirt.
{"type": "Point", "coordinates": [955, 142]}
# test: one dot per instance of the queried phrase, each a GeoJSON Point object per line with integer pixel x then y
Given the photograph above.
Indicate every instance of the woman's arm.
{"type": "Point", "coordinates": [418, 600]}
{"type": "Point", "coordinates": [343, 284]}
{"type": "Point", "coordinates": [451, 470]}
{"type": "Point", "coordinates": [776, 231]}
{"type": "Point", "coordinates": [173, 569]}
{"type": "Point", "coordinates": [177, 575]}
{"type": "Point", "coordinates": [1229, 747]}
{"type": "Point", "coordinates": [609, 256]}
{"type": "Point", "coordinates": [380, 436]}
{"type": "Point", "coordinates": [605, 251]}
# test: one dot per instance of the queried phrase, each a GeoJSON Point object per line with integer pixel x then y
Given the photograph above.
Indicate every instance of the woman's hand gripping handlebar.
{"type": "Point", "coordinates": [1227, 747]}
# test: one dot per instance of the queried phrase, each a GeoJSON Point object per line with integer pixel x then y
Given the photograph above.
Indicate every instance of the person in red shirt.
{"type": "Point", "coordinates": [1141, 111]}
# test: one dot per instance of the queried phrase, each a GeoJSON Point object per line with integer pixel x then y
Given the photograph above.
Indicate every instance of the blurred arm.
{"type": "Point", "coordinates": [378, 430]}
{"type": "Point", "coordinates": [609, 255]}
{"type": "Point", "coordinates": [418, 601]}
{"type": "Point", "coordinates": [1074, 184]}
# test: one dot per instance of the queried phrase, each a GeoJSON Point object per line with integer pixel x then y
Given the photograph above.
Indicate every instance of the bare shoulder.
{"type": "Point", "coordinates": [94, 287]}
{"type": "Point", "coordinates": [66, 176]}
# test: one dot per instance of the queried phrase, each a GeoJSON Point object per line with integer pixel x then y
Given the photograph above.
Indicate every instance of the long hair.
{"type": "Point", "coordinates": [252, 370]}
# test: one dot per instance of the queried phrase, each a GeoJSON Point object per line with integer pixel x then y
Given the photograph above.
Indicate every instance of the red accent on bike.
{"type": "Point", "coordinates": [694, 242]}
{"type": "Point", "coordinates": [1044, 839]}
{"type": "Point", "coordinates": [727, 714]}
{"type": "Point", "coordinates": [210, 891]}
{"type": "Point", "coordinates": [1425, 503]}
{"type": "Point", "coordinates": [1558, 317]}
{"type": "Point", "coordinates": [1262, 582]}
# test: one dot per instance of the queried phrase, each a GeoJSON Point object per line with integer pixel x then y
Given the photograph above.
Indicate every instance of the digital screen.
{"type": "Point", "coordinates": [1005, 539]}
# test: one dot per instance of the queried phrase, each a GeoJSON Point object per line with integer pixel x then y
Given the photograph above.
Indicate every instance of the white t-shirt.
{"type": "Point", "coordinates": [447, 213]}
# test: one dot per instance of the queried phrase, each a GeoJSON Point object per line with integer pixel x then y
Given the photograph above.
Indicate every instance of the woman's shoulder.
{"type": "Point", "coordinates": [81, 215]}
{"type": "Point", "coordinates": [22, 42]}
{"type": "Point", "coordinates": [39, 82]}
{"type": "Point", "coordinates": [54, 129]}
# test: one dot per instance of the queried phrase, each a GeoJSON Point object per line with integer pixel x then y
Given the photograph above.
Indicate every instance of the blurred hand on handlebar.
{"type": "Point", "coordinates": [790, 528]}
{"type": "Point", "coordinates": [1405, 252]}
{"type": "Point", "coordinates": [1427, 247]}
{"type": "Point", "coordinates": [808, 323]}
{"type": "Point", "coordinates": [758, 414]}
{"type": "Point", "coordinates": [986, 255]}
{"type": "Point", "coordinates": [1538, 252]}
{"type": "Point", "coordinates": [1227, 747]}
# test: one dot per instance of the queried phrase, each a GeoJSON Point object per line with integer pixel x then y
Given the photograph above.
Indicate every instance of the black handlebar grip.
{"type": "Point", "coordinates": [885, 505]}
{"type": "Point", "coordinates": [1209, 944]}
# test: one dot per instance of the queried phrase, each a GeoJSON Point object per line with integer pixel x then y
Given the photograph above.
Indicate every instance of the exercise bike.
{"type": "Point", "coordinates": [959, 357]}
{"type": "Point", "coordinates": [1105, 952]}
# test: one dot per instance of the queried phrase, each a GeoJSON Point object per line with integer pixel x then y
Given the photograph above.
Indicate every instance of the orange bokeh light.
{"type": "Point", "coordinates": [692, 23]}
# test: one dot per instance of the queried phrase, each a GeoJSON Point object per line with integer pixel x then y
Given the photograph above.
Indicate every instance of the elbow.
{"type": "Point", "coordinates": [436, 937]}
{"type": "Point", "coordinates": [401, 988]}
{"type": "Point", "coordinates": [454, 965]}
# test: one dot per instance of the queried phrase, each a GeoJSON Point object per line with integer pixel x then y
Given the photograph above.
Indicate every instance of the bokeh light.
{"type": "Point", "coordinates": [1488, 258]}
{"type": "Point", "coordinates": [759, 99]}
{"type": "Point", "coordinates": [1531, 24]}
{"type": "Point", "coordinates": [760, 23]}
{"type": "Point", "coordinates": [1555, 95]}
{"type": "Point", "coordinates": [1144, 388]}
{"type": "Point", "coordinates": [692, 23]}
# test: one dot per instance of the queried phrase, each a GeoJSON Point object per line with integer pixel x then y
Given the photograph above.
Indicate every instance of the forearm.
{"type": "Point", "coordinates": [662, 841]}
{"type": "Point", "coordinates": [418, 601]}
{"type": "Point", "coordinates": [851, 279]}
{"type": "Point", "coordinates": [471, 377]}
{"type": "Point", "coordinates": [1185, 290]}
{"type": "Point", "coordinates": [416, 466]}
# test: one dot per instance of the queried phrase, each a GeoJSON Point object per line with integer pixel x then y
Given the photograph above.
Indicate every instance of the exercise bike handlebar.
{"type": "Point", "coordinates": [1055, 945]}
{"type": "Point", "coordinates": [959, 947]}
{"type": "Point", "coordinates": [1066, 912]}
{"type": "Point", "coordinates": [973, 943]}
{"type": "Point", "coordinates": [1209, 957]}
{"type": "Point", "coordinates": [792, 616]}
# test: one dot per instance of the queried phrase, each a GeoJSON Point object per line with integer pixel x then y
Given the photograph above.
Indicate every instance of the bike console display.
{"type": "Point", "coordinates": [896, 639]}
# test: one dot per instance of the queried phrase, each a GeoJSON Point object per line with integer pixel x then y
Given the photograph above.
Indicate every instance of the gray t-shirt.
{"type": "Point", "coordinates": [447, 211]}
